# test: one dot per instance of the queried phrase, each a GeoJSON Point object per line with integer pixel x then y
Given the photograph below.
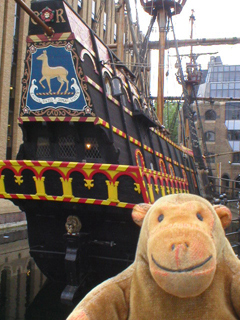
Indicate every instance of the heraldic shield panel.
{"type": "Point", "coordinates": [53, 82]}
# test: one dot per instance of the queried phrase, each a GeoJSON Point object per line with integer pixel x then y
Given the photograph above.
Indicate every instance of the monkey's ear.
{"type": "Point", "coordinates": [224, 215]}
{"type": "Point", "coordinates": [139, 212]}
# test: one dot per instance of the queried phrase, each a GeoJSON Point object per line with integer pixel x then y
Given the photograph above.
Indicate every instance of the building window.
{"type": "Point", "coordinates": [232, 111]}
{"type": "Point", "coordinates": [79, 5]}
{"type": "Point", "coordinates": [237, 183]}
{"type": "Point", "coordinates": [236, 157]}
{"type": "Point", "coordinates": [115, 33]}
{"type": "Point", "coordinates": [233, 135]}
{"type": "Point", "coordinates": [210, 115]}
{"type": "Point", "coordinates": [211, 157]}
{"type": "Point", "coordinates": [209, 136]}
{"type": "Point", "coordinates": [104, 21]}
{"type": "Point", "coordinates": [93, 12]}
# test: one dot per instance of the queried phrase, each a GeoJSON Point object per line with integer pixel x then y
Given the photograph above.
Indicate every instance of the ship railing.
{"type": "Point", "coordinates": [229, 195]}
{"type": "Point", "coordinates": [228, 186]}
{"type": "Point", "coordinates": [233, 231]}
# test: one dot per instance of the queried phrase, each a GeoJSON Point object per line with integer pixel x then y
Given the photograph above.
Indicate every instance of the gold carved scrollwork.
{"type": "Point", "coordinates": [168, 190]}
{"type": "Point", "coordinates": [137, 187]}
{"type": "Point", "coordinates": [156, 188]}
{"type": "Point", "coordinates": [150, 190]}
{"type": "Point", "coordinates": [163, 191]}
{"type": "Point", "coordinates": [89, 183]}
{"type": "Point", "coordinates": [40, 187]}
{"type": "Point", "coordinates": [18, 180]}
{"type": "Point", "coordinates": [112, 191]}
{"type": "Point", "coordinates": [2, 186]}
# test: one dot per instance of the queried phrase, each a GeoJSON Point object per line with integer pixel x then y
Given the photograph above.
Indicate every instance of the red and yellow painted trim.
{"type": "Point", "coordinates": [109, 96]}
{"type": "Point", "coordinates": [105, 124]}
{"type": "Point", "coordinates": [158, 154]}
{"type": "Point", "coordinates": [101, 122]}
{"type": "Point", "coordinates": [119, 132]}
{"type": "Point", "coordinates": [147, 148]}
{"type": "Point", "coordinates": [55, 37]}
{"type": "Point", "coordinates": [55, 119]}
{"type": "Point", "coordinates": [135, 141]}
{"type": "Point", "coordinates": [93, 83]}
{"type": "Point", "coordinates": [65, 169]}
{"type": "Point", "coordinates": [146, 181]}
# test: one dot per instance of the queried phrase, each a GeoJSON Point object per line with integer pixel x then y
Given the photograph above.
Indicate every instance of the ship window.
{"type": "Point", "coordinates": [139, 158]}
{"type": "Point", "coordinates": [66, 147]}
{"type": "Point", "coordinates": [107, 84]}
{"type": "Point", "coordinates": [43, 149]}
{"type": "Point", "coordinates": [136, 105]}
{"type": "Point", "coordinates": [209, 136]}
{"type": "Point", "coordinates": [210, 115]}
{"type": "Point", "coordinates": [91, 148]}
{"type": "Point", "coordinates": [162, 166]}
{"type": "Point", "coordinates": [171, 170]}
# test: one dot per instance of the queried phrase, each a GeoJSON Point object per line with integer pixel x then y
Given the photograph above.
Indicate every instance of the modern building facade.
{"type": "Point", "coordinates": [108, 18]}
{"type": "Point", "coordinates": [220, 117]}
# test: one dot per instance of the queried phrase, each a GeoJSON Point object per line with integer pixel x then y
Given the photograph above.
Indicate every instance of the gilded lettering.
{"type": "Point", "coordinates": [59, 16]}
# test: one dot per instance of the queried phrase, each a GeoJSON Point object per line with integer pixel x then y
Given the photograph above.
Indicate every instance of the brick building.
{"type": "Point", "coordinates": [221, 122]}
{"type": "Point", "coordinates": [109, 20]}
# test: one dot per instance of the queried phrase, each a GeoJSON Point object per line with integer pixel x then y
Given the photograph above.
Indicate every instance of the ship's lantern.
{"type": "Point", "coordinates": [117, 89]}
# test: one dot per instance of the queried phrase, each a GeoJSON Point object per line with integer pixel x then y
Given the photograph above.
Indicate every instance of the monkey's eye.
{"type": "Point", "coordinates": [199, 216]}
{"type": "Point", "coordinates": [160, 218]}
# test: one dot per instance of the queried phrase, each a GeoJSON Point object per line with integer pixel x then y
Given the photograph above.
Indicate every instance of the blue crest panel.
{"type": "Point", "coordinates": [53, 81]}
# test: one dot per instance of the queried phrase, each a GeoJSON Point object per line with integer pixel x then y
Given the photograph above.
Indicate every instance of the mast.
{"type": "Point", "coordinates": [164, 9]}
{"type": "Point", "coordinates": [162, 21]}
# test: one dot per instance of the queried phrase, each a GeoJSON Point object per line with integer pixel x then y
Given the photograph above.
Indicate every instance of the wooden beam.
{"type": "Point", "coordinates": [188, 43]}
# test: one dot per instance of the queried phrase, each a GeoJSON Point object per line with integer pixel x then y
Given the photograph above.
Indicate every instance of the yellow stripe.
{"type": "Point", "coordinates": [65, 36]}
{"type": "Point", "coordinates": [105, 166]}
{"type": "Point", "coordinates": [90, 201]}
{"type": "Point", "coordinates": [35, 197]}
{"type": "Point", "coordinates": [20, 196]}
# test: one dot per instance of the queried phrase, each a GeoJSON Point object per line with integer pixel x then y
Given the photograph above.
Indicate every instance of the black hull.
{"type": "Point", "coordinates": [105, 246]}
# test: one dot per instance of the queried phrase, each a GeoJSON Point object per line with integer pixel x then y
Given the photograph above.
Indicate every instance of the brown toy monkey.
{"type": "Point", "coordinates": [184, 268]}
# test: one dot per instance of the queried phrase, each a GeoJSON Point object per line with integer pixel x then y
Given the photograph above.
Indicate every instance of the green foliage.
{"type": "Point", "coordinates": [170, 116]}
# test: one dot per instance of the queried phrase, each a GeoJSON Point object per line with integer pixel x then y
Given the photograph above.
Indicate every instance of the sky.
{"type": "Point", "coordinates": [214, 19]}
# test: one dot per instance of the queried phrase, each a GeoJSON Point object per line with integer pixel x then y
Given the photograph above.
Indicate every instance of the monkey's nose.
{"type": "Point", "coordinates": [179, 250]}
{"type": "Point", "coordinates": [174, 246]}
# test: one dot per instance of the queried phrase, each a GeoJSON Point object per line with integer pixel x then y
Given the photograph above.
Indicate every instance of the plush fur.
{"type": "Point", "coordinates": [184, 268]}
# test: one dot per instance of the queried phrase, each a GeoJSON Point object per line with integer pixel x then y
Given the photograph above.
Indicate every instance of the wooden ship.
{"type": "Point", "coordinates": [92, 149]}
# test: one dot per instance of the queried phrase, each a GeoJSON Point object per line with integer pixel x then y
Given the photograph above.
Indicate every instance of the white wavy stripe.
{"type": "Point", "coordinates": [55, 100]}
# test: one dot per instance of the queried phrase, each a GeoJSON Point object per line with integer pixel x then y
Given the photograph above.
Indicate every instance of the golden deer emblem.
{"type": "Point", "coordinates": [49, 73]}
